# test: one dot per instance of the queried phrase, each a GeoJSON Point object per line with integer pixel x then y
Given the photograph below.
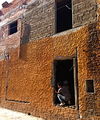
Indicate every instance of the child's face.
{"type": "Point", "coordinates": [59, 86]}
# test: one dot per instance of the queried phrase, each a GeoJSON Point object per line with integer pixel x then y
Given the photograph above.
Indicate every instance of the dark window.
{"type": "Point", "coordinates": [63, 15]}
{"type": "Point", "coordinates": [64, 75]}
{"type": "Point", "coordinates": [90, 86]}
{"type": "Point", "coordinates": [13, 27]}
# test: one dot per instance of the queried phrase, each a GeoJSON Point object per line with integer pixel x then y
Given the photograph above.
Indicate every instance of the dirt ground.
{"type": "Point", "coordinates": [6, 114]}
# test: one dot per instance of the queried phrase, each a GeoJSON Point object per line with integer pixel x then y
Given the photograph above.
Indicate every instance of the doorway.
{"type": "Point", "coordinates": [64, 74]}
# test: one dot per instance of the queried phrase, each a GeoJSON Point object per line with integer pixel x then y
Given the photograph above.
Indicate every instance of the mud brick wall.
{"type": "Point", "coordinates": [31, 74]}
{"type": "Point", "coordinates": [84, 12]}
{"type": "Point", "coordinates": [9, 41]}
{"type": "Point", "coordinates": [97, 96]}
{"type": "Point", "coordinates": [26, 81]}
{"type": "Point", "coordinates": [1, 76]}
{"type": "Point", "coordinates": [39, 20]}
{"type": "Point", "coordinates": [14, 4]}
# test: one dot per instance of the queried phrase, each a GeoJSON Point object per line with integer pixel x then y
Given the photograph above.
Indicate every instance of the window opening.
{"type": "Point", "coordinates": [63, 15]}
{"type": "Point", "coordinates": [64, 75]}
{"type": "Point", "coordinates": [90, 86]}
{"type": "Point", "coordinates": [13, 27]}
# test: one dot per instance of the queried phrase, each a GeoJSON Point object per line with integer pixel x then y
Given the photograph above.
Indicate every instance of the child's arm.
{"type": "Point", "coordinates": [59, 91]}
{"type": "Point", "coordinates": [56, 91]}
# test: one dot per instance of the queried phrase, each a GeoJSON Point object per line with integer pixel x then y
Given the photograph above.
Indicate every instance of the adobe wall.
{"type": "Point", "coordinates": [40, 17]}
{"type": "Point", "coordinates": [31, 75]}
{"type": "Point", "coordinates": [84, 12]}
{"type": "Point", "coordinates": [26, 76]}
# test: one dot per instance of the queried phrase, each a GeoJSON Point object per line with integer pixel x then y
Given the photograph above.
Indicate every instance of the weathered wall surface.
{"type": "Point", "coordinates": [39, 20]}
{"type": "Point", "coordinates": [9, 41]}
{"type": "Point", "coordinates": [14, 4]}
{"type": "Point", "coordinates": [31, 74]}
{"type": "Point", "coordinates": [84, 12]}
{"type": "Point", "coordinates": [26, 81]}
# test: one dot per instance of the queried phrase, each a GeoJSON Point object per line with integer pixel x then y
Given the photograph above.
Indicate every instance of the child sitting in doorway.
{"type": "Point", "coordinates": [63, 94]}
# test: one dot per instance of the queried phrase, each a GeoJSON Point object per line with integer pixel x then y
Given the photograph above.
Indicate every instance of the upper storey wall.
{"type": "Point", "coordinates": [39, 20]}
{"type": "Point", "coordinates": [84, 11]}
{"type": "Point", "coordinates": [42, 20]}
{"type": "Point", "coordinates": [13, 4]}
{"type": "Point", "coordinates": [39, 16]}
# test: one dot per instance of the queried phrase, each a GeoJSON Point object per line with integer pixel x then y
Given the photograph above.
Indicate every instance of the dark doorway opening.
{"type": "Point", "coordinates": [64, 75]}
{"type": "Point", "coordinates": [63, 15]}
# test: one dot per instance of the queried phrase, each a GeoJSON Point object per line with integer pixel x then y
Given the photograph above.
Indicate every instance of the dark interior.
{"type": "Point", "coordinates": [64, 74]}
{"type": "Point", "coordinates": [89, 86]}
{"type": "Point", "coordinates": [63, 15]}
{"type": "Point", "coordinates": [13, 28]}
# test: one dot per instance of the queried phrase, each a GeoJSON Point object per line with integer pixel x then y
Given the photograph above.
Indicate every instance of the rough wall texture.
{"type": "Point", "coordinates": [14, 4]}
{"type": "Point", "coordinates": [40, 17]}
{"type": "Point", "coordinates": [84, 12]}
{"type": "Point", "coordinates": [25, 79]}
{"type": "Point", "coordinates": [32, 73]}
{"type": "Point", "coordinates": [40, 20]}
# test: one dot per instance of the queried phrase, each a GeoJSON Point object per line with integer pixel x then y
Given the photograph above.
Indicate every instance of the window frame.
{"type": "Point", "coordinates": [75, 64]}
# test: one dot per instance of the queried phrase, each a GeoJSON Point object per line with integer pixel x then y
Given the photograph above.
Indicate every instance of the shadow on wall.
{"type": "Point", "coordinates": [93, 66]}
{"type": "Point", "coordinates": [26, 34]}
{"type": "Point", "coordinates": [93, 47]}
{"type": "Point", "coordinates": [25, 39]}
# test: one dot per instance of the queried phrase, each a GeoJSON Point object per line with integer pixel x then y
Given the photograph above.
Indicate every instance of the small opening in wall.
{"type": "Point", "coordinates": [13, 27]}
{"type": "Point", "coordinates": [63, 15]}
{"type": "Point", "coordinates": [90, 86]}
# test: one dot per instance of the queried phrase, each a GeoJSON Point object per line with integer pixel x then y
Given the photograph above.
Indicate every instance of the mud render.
{"type": "Point", "coordinates": [32, 51]}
